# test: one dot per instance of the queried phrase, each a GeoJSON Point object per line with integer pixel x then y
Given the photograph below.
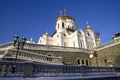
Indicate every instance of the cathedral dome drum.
{"type": "Point", "coordinates": [65, 18]}
{"type": "Point", "coordinates": [65, 22]}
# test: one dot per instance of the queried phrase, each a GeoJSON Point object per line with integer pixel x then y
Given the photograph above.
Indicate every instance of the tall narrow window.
{"type": "Point", "coordinates": [58, 26]}
{"type": "Point", "coordinates": [78, 61]}
{"type": "Point", "coordinates": [62, 24]}
{"type": "Point", "coordinates": [82, 61]}
{"type": "Point", "coordinates": [79, 32]}
{"type": "Point", "coordinates": [49, 59]}
{"type": "Point", "coordinates": [87, 62]}
{"type": "Point", "coordinates": [88, 34]}
{"type": "Point", "coordinates": [81, 44]}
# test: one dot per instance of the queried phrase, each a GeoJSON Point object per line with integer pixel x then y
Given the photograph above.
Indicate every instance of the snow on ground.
{"type": "Point", "coordinates": [58, 77]}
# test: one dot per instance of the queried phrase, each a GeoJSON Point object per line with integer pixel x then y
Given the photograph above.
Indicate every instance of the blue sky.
{"type": "Point", "coordinates": [31, 18]}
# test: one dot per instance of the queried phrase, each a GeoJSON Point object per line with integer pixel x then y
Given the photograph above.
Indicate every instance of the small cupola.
{"type": "Point", "coordinates": [88, 27]}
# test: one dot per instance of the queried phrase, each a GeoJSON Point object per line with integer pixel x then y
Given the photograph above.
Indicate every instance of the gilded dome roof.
{"type": "Point", "coordinates": [65, 18]}
{"type": "Point", "coordinates": [88, 28]}
{"type": "Point", "coordinates": [47, 34]}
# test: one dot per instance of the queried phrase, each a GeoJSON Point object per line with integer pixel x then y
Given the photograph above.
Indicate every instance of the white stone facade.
{"type": "Point", "coordinates": [67, 34]}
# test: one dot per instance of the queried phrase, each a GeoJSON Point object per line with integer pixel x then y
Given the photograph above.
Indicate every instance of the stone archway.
{"type": "Point", "coordinates": [110, 64]}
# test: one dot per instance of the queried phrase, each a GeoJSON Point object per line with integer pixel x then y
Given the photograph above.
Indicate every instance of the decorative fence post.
{"type": "Point", "coordinates": [83, 70]}
{"type": "Point", "coordinates": [28, 69]}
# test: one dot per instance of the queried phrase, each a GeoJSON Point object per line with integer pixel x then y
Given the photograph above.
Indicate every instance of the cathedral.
{"type": "Point", "coordinates": [68, 45]}
{"type": "Point", "coordinates": [67, 34]}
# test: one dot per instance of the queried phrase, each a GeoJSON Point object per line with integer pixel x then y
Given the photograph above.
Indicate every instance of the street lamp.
{"type": "Point", "coordinates": [95, 55]}
{"type": "Point", "coordinates": [19, 44]}
{"type": "Point", "coordinates": [92, 55]}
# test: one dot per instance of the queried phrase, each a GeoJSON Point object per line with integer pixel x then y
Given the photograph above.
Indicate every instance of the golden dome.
{"type": "Point", "coordinates": [47, 34]}
{"type": "Point", "coordinates": [65, 18]}
{"type": "Point", "coordinates": [89, 28]}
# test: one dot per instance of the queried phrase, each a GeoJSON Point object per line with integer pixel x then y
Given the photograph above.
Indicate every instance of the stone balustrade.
{"type": "Point", "coordinates": [54, 48]}
{"type": "Point", "coordinates": [6, 46]}
{"type": "Point", "coordinates": [45, 47]}
{"type": "Point", "coordinates": [59, 48]}
{"type": "Point", "coordinates": [35, 57]}
{"type": "Point", "coordinates": [29, 69]}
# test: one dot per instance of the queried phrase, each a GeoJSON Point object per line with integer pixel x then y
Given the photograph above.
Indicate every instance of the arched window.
{"type": "Point", "coordinates": [64, 34]}
{"type": "Point", "coordinates": [79, 32]}
{"type": "Point", "coordinates": [87, 62]}
{"type": "Point", "coordinates": [82, 61]}
{"type": "Point", "coordinates": [62, 24]}
{"type": "Point", "coordinates": [48, 58]}
{"type": "Point", "coordinates": [88, 34]}
{"type": "Point", "coordinates": [78, 61]}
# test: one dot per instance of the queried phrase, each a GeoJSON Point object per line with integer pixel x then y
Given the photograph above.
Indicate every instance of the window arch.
{"type": "Point", "coordinates": [63, 24]}
{"type": "Point", "coordinates": [48, 58]}
{"type": "Point", "coordinates": [87, 63]}
{"type": "Point", "coordinates": [82, 61]}
{"type": "Point", "coordinates": [88, 34]}
{"type": "Point", "coordinates": [80, 32]}
{"type": "Point", "coordinates": [78, 61]}
{"type": "Point", "coordinates": [58, 25]}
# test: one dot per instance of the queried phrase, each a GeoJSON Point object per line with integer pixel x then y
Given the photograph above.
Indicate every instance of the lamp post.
{"type": "Point", "coordinates": [19, 44]}
{"type": "Point", "coordinates": [91, 56]}
{"type": "Point", "coordinates": [95, 55]}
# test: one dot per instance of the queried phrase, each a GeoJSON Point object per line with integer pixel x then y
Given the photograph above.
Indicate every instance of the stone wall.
{"type": "Point", "coordinates": [107, 55]}
{"type": "Point", "coordinates": [68, 57]}
{"type": "Point", "coordinates": [111, 54]}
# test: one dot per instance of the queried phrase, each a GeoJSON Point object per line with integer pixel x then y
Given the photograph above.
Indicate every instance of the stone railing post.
{"type": "Point", "coordinates": [83, 70]}
{"type": "Point", "coordinates": [28, 69]}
